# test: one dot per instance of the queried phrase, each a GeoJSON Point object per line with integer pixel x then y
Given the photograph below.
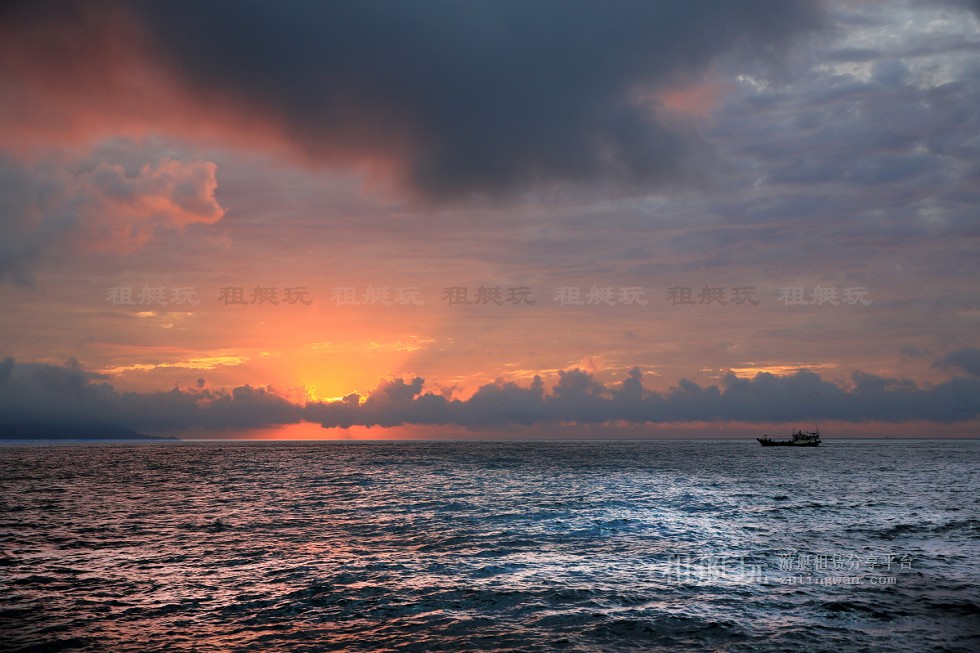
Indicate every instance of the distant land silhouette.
{"type": "Point", "coordinates": [41, 431]}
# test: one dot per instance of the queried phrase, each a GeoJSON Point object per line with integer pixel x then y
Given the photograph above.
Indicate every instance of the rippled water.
{"type": "Point", "coordinates": [595, 546]}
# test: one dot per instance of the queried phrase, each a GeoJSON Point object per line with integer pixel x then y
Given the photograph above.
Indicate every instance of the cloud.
{"type": "Point", "coordinates": [456, 98]}
{"type": "Point", "coordinates": [28, 221]}
{"type": "Point", "coordinates": [178, 193]}
{"type": "Point", "coordinates": [6, 367]}
{"type": "Point", "coordinates": [580, 398]}
{"type": "Point", "coordinates": [68, 394]}
{"type": "Point", "coordinates": [97, 205]}
{"type": "Point", "coordinates": [41, 393]}
{"type": "Point", "coordinates": [963, 360]}
{"type": "Point", "coordinates": [972, 5]}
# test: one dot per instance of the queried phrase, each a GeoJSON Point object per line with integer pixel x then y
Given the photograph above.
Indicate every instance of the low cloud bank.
{"type": "Point", "coordinates": [38, 393]}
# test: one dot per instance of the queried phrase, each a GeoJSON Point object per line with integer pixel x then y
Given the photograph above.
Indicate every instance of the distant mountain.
{"type": "Point", "coordinates": [39, 431]}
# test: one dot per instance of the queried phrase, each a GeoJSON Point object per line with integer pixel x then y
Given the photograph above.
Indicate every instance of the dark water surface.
{"type": "Point", "coordinates": [430, 546]}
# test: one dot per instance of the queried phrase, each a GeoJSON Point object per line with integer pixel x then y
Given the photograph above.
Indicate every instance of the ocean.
{"type": "Point", "coordinates": [490, 546]}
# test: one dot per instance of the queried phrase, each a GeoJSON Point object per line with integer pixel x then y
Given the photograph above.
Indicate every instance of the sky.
{"type": "Point", "coordinates": [457, 219]}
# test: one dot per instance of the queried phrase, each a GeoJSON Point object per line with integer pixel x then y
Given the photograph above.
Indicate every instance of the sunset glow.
{"type": "Point", "coordinates": [772, 219]}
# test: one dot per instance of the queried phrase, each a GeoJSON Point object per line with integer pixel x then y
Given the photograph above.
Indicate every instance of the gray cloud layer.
{"type": "Point", "coordinates": [46, 393]}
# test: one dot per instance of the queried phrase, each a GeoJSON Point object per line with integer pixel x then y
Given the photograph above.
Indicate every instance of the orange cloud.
{"type": "Point", "coordinates": [697, 100]}
{"type": "Point", "coordinates": [112, 210]}
{"type": "Point", "coordinates": [125, 209]}
{"type": "Point", "coordinates": [76, 80]}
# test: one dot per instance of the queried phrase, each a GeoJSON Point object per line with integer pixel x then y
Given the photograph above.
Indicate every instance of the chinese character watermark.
{"type": "Point", "coordinates": [595, 295]}
{"type": "Point", "coordinates": [791, 568]}
{"type": "Point", "coordinates": [821, 295]}
{"type": "Point", "coordinates": [708, 295]}
{"type": "Point", "coordinates": [488, 295]}
{"type": "Point", "coordinates": [152, 296]}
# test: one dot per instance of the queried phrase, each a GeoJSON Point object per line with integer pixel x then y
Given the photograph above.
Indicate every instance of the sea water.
{"type": "Point", "coordinates": [490, 546]}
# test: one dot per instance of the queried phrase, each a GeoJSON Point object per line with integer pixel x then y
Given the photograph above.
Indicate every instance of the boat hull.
{"type": "Point", "coordinates": [786, 443]}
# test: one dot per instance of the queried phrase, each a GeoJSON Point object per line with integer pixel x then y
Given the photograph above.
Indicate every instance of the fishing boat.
{"type": "Point", "coordinates": [799, 439]}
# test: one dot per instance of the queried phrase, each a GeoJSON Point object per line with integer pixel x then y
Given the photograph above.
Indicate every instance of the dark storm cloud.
{"type": "Point", "coordinates": [36, 393]}
{"type": "Point", "coordinates": [962, 360]}
{"type": "Point", "coordinates": [463, 96]}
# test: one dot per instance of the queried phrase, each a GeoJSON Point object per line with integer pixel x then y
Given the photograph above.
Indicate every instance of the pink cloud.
{"type": "Point", "coordinates": [125, 210]}
{"type": "Point", "coordinates": [84, 204]}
